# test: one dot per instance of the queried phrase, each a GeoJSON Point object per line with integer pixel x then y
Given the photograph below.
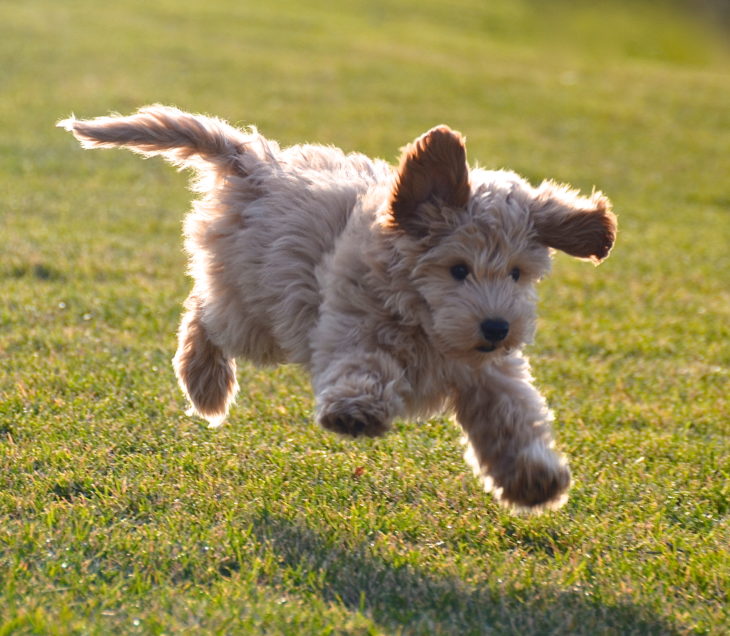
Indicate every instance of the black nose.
{"type": "Point", "coordinates": [495, 329]}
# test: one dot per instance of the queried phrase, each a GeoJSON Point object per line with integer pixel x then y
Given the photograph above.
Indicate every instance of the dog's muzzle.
{"type": "Point", "coordinates": [494, 331]}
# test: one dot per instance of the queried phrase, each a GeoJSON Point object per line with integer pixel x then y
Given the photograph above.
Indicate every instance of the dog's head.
{"type": "Point", "coordinates": [479, 240]}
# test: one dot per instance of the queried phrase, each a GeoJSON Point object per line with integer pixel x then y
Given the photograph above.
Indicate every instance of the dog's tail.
{"type": "Point", "coordinates": [183, 139]}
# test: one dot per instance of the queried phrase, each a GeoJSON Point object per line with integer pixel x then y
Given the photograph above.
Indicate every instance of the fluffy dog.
{"type": "Point", "coordinates": [403, 291]}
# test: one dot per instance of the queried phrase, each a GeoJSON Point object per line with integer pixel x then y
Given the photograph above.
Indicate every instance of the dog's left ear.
{"type": "Point", "coordinates": [581, 226]}
{"type": "Point", "coordinates": [432, 169]}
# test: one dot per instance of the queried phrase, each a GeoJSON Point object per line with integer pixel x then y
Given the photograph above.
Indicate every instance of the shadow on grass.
{"type": "Point", "coordinates": [402, 598]}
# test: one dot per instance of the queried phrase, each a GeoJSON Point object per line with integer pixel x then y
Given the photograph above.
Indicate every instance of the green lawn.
{"type": "Point", "coordinates": [120, 514]}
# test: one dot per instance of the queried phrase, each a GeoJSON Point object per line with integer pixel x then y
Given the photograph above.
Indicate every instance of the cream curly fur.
{"type": "Point", "coordinates": [404, 291]}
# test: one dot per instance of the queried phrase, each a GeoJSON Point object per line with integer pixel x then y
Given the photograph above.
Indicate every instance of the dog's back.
{"type": "Point", "coordinates": [267, 235]}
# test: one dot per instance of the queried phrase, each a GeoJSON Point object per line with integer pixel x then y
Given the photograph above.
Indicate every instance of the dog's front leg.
{"type": "Point", "coordinates": [359, 392]}
{"type": "Point", "coordinates": [507, 424]}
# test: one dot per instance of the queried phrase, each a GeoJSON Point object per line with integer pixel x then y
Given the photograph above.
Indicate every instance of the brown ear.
{"type": "Point", "coordinates": [432, 169]}
{"type": "Point", "coordinates": [580, 226]}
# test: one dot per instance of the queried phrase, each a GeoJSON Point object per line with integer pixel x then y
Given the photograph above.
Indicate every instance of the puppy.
{"type": "Point", "coordinates": [403, 291]}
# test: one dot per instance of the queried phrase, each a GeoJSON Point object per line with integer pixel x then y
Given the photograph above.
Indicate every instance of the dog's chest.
{"type": "Point", "coordinates": [422, 364]}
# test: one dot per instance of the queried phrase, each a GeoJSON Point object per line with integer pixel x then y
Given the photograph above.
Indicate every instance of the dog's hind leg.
{"type": "Point", "coordinates": [205, 373]}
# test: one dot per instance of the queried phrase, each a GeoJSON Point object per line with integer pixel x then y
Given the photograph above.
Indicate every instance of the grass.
{"type": "Point", "coordinates": [118, 513]}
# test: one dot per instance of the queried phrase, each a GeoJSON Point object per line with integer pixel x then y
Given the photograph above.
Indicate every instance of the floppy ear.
{"type": "Point", "coordinates": [432, 169]}
{"type": "Point", "coordinates": [580, 226]}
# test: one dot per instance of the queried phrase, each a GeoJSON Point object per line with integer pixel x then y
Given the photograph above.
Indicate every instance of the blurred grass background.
{"type": "Point", "coordinates": [119, 513]}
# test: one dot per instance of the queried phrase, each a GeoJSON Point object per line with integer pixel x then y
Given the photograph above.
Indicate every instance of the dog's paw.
{"type": "Point", "coordinates": [540, 479]}
{"type": "Point", "coordinates": [353, 420]}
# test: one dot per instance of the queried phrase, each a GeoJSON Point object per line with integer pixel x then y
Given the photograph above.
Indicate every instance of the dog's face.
{"type": "Point", "coordinates": [481, 240]}
{"type": "Point", "coordinates": [478, 277]}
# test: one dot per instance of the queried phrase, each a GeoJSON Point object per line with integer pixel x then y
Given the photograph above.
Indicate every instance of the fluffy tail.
{"type": "Point", "coordinates": [183, 139]}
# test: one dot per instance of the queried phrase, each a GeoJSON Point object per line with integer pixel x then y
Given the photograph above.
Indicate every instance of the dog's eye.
{"type": "Point", "coordinates": [515, 273]}
{"type": "Point", "coordinates": [460, 271]}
